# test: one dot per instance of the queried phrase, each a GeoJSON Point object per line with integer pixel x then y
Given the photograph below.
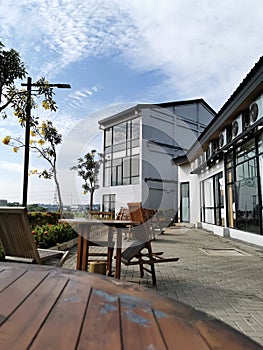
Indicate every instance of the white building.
{"type": "Point", "coordinates": [221, 176]}
{"type": "Point", "coordinates": [139, 145]}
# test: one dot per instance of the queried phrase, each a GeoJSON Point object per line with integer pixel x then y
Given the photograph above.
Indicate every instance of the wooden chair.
{"type": "Point", "coordinates": [18, 242]}
{"type": "Point", "coordinates": [124, 214]}
{"type": "Point", "coordinates": [140, 251]}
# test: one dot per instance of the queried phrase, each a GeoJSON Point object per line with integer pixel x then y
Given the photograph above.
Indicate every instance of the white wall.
{"type": "Point", "coordinates": [124, 195]}
{"type": "Point", "coordinates": [194, 191]}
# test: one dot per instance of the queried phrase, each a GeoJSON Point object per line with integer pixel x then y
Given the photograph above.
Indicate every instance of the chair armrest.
{"type": "Point", "coordinates": [19, 259]}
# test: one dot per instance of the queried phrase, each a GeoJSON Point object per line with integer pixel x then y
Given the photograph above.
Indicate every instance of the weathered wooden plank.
{"type": "Point", "coordinates": [138, 324]}
{"type": "Point", "coordinates": [220, 337]}
{"type": "Point", "coordinates": [21, 327]}
{"type": "Point", "coordinates": [67, 314]}
{"type": "Point", "coordinates": [101, 328]}
{"type": "Point", "coordinates": [179, 335]}
{"type": "Point", "coordinates": [8, 276]}
{"type": "Point", "coordinates": [19, 290]}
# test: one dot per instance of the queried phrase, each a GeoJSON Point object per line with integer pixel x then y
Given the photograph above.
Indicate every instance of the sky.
{"type": "Point", "coordinates": [115, 54]}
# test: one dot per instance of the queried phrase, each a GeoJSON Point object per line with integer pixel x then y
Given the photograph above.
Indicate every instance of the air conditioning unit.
{"type": "Point", "coordinates": [222, 140]}
{"type": "Point", "coordinates": [195, 163]}
{"type": "Point", "coordinates": [203, 157]}
{"type": "Point", "coordinates": [199, 161]}
{"type": "Point", "coordinates": [210, 150]}
{"type": "Point", "coordinates": [237, 126]}
{"type": "Point", "coordinates": [256, 110]}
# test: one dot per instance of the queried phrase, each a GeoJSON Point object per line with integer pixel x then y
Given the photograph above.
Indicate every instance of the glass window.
{"type": "Point", "coordinates": [246, 190]}
{"type": "Point", "coordinates": [260, 143]}
{"type": "Point", "coordinates": [212, 198]}
{"type": "Point", "coordinates": [116, 179]}
{"type": "Point", "coordinates": [243, 188]}
{"type": "Point", "coordinates": [231, 206]}
{"type": "Point", "coordinates": [108, 202]}
{"type": "Point", "coordinates": [107, 177]}
{"type": "Point", "coordinates": [135, 134]}
{"type": "Point", "coordinates": [135, 165]}
{"type": "Point", "coordinates": [126, 167]}
{"type": "Point", "coordinates": [119, 133]}
{"type": "Point", "coordinates": [184, 203]}
{"type": "Point", "coordinates": [108, 137]}
{"type": "Point", "coordinates": [246, 151]}
{"type": "Point", "coordinates": [208, 195]}
{"type": "Point", "coordinates": [122, 146]}
{"type": "Point", "coordinates": [229, 160]}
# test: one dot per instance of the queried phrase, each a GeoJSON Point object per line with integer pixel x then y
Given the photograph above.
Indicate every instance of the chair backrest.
{"type": "Point", "coordinates": [123, 214]}
{"type": "Point", "coordinates": [140, 215]}
{"type": "Point", "coordinates": [136, 212]}
{"type": "Point", "coordinates": [15, 234]}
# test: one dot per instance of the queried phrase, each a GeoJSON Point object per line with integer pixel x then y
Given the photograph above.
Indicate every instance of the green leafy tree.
{"type": "Point", "coordinates": [11, 68]}
{"type": "Point", "coordinates": [35, 208]}
{"type": "Point", "coordinates": [44, 141]}
{"type": "Point", "coordinates": [88, 169]}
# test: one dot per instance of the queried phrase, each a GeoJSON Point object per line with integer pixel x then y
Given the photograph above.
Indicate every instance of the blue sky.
{"type": "Point", "coordinates": [117, 53]}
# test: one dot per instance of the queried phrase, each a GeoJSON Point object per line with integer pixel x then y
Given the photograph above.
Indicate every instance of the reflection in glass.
{"type": "Point", "coordinates": [246, 189]}
{"type": "Point", "coordinates": [185, 205]}
{"type": "Point", "coordinates": [108, 202]}
{"type": "Point", "coordinates": [231, 206]}
{"type": "Point", "coordinates": [122, 144]}
{"type": "Point", "coordinates": [212, 198]}
{"type": "Point", "coordinates": [246, 151]}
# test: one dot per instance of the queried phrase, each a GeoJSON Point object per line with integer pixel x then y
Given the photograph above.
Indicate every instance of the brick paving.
{"type": "Point", "coordinates": [227, 284]}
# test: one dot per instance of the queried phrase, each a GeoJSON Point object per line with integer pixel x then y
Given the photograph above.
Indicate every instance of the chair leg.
{"type": "Point", "coordinates": [149, 247]}
{"type": "Point", "coordinates": [153, 274]}
{"type": "Point", "coordinates": [141, 268]}
{"type": "Point", "coordinates": [109, 261]}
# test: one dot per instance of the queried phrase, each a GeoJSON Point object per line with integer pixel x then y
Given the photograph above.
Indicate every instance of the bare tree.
{"type": "Point", "coordinates": [44, 140]}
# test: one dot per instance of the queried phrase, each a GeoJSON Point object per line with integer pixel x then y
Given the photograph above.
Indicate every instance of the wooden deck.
{"type": "Point", "coordinates": [53, 308]}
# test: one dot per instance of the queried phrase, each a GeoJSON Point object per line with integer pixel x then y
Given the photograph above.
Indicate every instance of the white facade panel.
{"type": "Point", "coordinates": [194, 192]}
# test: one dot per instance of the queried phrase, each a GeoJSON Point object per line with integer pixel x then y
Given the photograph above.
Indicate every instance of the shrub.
{"type": "Point", "coordinates": [43, 218]}
{"type": "Point", "coordinates": [39, 218]}
{"type": "Point", "coordinates": [50, 235]}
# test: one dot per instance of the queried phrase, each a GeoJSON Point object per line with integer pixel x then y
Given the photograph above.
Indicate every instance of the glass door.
{"type": "Point", "coordinates": [184, 202]}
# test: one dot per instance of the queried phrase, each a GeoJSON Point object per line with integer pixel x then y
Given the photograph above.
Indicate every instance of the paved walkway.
{"type": "Point", "coordinates": [220, 276]}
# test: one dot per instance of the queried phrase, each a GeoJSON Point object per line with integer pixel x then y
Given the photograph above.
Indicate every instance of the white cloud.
{"type": "Point", "coordinates": [204, 48]}
{"type": "Point", "coordinates": [11, 166]}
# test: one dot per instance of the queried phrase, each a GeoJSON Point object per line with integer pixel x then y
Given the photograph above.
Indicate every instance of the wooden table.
{"type": "Point", "coordinates": [84, 232]}
{"type": "Point", "coordinates": [54, 308]}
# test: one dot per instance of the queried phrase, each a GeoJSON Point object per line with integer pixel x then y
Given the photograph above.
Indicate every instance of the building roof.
{"type": "Point", "coordinates": [131, 110]}
{"type": "Point", "coordinates": [186, 102]}
{"type": "Point", "coordinates": [247, 90]}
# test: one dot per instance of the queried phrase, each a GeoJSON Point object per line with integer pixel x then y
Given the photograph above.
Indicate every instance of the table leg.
{"type": "Point", "coordinates": [79, 254]}
{"type": "Point", "coordinates": [83, 248]}
{"type": "Point", "coordinates": [110, 252]}
{"type": "Point", "coordinates": [85, 254]}
{"type": "Point", "coordinates": [118, 253]}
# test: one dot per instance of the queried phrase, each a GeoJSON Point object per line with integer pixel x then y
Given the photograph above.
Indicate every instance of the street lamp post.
{"type": "Point", "coordinates": [29, 85]}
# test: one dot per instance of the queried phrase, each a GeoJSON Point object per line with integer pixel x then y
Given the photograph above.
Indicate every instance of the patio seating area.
{"type": "Point", "coordinates": [220, 276]}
